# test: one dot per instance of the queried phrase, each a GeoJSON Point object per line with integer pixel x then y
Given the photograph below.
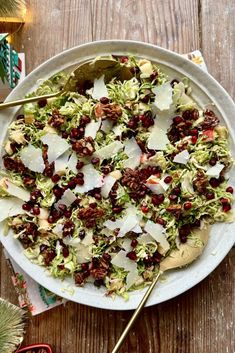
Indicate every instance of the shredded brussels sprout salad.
{"type": "Point", "coordinates": [103, 183]}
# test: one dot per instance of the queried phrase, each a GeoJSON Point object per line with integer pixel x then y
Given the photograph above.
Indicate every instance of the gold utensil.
{"type": "Point", "coordinates": [87, 71]}
{"type": "Point", "coordinates": [177, 258]}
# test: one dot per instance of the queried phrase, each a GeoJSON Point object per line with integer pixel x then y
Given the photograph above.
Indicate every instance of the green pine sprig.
{"type": "Point", "coordinates": [11, 326]}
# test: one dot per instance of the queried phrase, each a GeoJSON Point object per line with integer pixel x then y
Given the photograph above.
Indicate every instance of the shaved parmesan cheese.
{"type": "Point", "coordinates": [116, 174]}
{"type": "Point", "coordinates": [156, 185]}
{"type": "Point", "coordinates": [32, 158]}
{"type": "Point", "coordinates": [126, 245]}
{"type": "Point", "coordinates": [75, 242]}
{"type": "Point", "coordinates": [109, 151]}
{"type": "Point", "coordinates": [215, 170]}
{"type": "Point", "coordinates": [17, 191]}
{"type": "Point", "coordinates": [56, 146]}
{"type": "Point", "coordinates": [121, 260]}
{"type": "Point", "coordinates": [156, 231]}
{"type": "Point", "coordinates": [92, 179]}
{"type": "Point", "coordinates": [129, 223]}
{"type": "Point", "coordinates": [112, 225]}
{"type": "Point", "coordinates": [83, 254]}
{"type": "Point", "coordinates": [182, 157]}
{"type": "Point", "coordinates": [61, 163]}
{"type": "Point", "coordinates": [92, 128]}
{"type": "Point", "coordinates": [106, 125]}
{"type": "Point", "coordinates": [73, 162]}
{"type": "Point", "coordinates": [10, 206]}
{"type": "Point", "coordinates": [109, 181]}
{"type": "Point", "coordinates": [67, 199]}
{"type": "Point", "coordinates": [88, 240]}
{"type": "Point", "coordinates": [134, 152]}
{"type": "Point", "coordinates": [163, 96]}
{"type": "Point", "coordinates": [145, 239]}
{"type": "Point", "coordinates": [58, 229]}
{"type": "Point", "coordinates": [99, 89]}
{"type": "Point", "coordinates": [158, 139]}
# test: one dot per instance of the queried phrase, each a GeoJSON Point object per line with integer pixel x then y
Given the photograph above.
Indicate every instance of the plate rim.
{"type": "Point", "coordinates": [187, 64]}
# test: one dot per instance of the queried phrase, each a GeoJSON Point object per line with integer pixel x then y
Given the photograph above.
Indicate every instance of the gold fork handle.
{"type": "Point", "coordinates": [27, 100]}
{"type": "Point", "coordinates": [135, 315]}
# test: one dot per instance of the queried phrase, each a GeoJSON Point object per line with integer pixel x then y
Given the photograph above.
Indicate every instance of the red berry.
{"type": "Point", "coordinates": [229, 189]}
{"type": "Point", "coordinates": [172, 197]}
{"type": "Point", "coordinates": [168, 179]}
{"type": "Point", "coordinates": [214, 182]}
{"type": "Point", "coordinates": [36, 210]}
{"type": "Point", "coordinates": [193, 132]}
{"type": "Point", "coordinates": [79, 165]}
{"type": "Point", "coordinates": [187, 205]}
{"type": "Point", "coordinates": [224, 201]}
{"type": "Point", "coordinates": [123, 59]}
{"type": "Point", "coordinates": [55, 178]}
{"type": "Point", "coordinates": [104, 100]}
{"type": "Point", "coordinates": [74, 133]}
{"type": "Point", "coordinates": [161, 221]}
{"type": "Point", "coordinates": [67, 214]}
{"type": "Point", "coordinates": [26, 207]}
{"type": "Point", "coordinates": [212, 161]}
{"type": "Point", "coordinates": [177, 120]}
{"type": "Point", "coordinates": [194, 139]}
{"type": "Point", "coordinates": [134, 243]}
{"type": "Point", "coordinates": [210, 195]}
{"type": "Point", "coordinates": [144, 209]}
{"type": "Point", "coordinates": [95, 160]}
{"type": "Point", "coordinates": [226, 207]}
{"type": "Point", "coordinates": [132, 255]}
{"type": "Point", "coordinates": [157, 199]}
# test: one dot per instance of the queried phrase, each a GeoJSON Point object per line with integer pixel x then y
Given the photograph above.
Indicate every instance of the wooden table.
{"type": "Point", "coordinates": [203, 319]}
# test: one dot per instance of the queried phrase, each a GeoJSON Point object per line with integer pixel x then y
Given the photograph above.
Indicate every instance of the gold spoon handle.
{"type": "Point", "coordinates": [27, 100]}
{"type": "Point", "coordinates": [135, 315]}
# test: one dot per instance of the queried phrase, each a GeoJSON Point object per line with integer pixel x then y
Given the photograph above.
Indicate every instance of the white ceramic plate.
{"type": "Point", "coordinates": [206, 91]}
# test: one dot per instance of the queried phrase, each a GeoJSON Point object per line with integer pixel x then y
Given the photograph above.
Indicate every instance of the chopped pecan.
{"type": "Point", "coordinates": [48, 255]}
{"type": "Point", "coordinates": [90, 215]}
{"type": "Point", "coordinates": [84, 147]}
{"type": "Point", "coordinates": [99, 273]}
{"type": "Point", "coordinates": [131, 178]}
{"type": "Point", "coordinates": [110, 111]}
{"type": "Point", "coordinates": [175, 210]}
{"type": "Point", "coordinates": [28, 233]}
{"type": "Point", "coordinates": [56, 119]}
{"type": "Point", "coordinates": [210, 120]}
{"type": "Point", "coordinates": [200, 182]}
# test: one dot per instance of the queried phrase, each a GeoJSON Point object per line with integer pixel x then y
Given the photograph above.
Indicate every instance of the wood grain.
{"type": "Point", "coordinates": [202, 319]}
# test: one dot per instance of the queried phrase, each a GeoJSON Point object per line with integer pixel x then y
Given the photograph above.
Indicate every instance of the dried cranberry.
{"type": "Point", "coordinates": [194, 139]}
{"type": "Point", "coordinates": [42, 103]}
{"type": "Point", "coordinates": [27, 206]}
{"type": "Point", "coordinates": [82, 234]}
{"type": "Point", "coordinates": [157, 199]}
{"type": "Point", "coordinates": [224, 201]}
{"type": "Point", "coordinates": [147, 121]}
{"type": "Point", "coordinates": [65, 251]}
{"type": "Point", "coordinates": [57, 191]}
{"type": "Point", "coordinates": [172, 197]}
{"type": "Point", "coordinates": [214, 182]}
{"type": "Point", "coordinates": [210, 195]}
{"type": "Point", "coordinates": [49, 170]}
{"type": "Point", "coordinates": [161, 221]}
{"type": "Point", "coordinates": [132, 255]}
{"type": "Point", "coordinates": [79, 181]}
{"type": "Point", "coordinates": [104, 100]}
{"type": "Point", "coordinates": [55, 178]}
{"type": "Point", "coordinates": [168, 179]}
{"type": "Point", "coordinates": [213, 161]}
{"type": "Point", "coordinates": [84, 120]}
{"type": "Point", "coordinates": [79, 165]}
{"type": "Point", "coordinates": [132, 124]}
{"type": "Point", "coordinates": [67, 214]}
{"type": "Point", "coordinates": [229, 189]}
{"type": "Point", "coordinates": [144, 209]}
{"type": "Point", "coordinates": [187, 205]}
{"type": "Point", "coordinates": [117, 209]}
{"type": "Point", "coordinates": [95, 160]}
{"type": "Point", "coordinates": [68, 228]}
{"type": "Point", "coordinates": [226, 207]}
{"type": "Point", "coordinates": [74, 133]}
{"type": "Point", "coordinates": [71, 184]}
{"type": "Point", "coordinates": [193, 132]}
{"type": "Point", "coordinates": [62, 207]}
{"type": "Point", "coordinates": [34, 195]}
{"type": "Point", "coordinates": [177, 120]}
{"type": "Point", "coordinates": [36, 210]}
{"type": "Point", "coordinates": [134, 243]}
{"type": "Point", "coordinates": [176, 191]}
{"type": "Point", "coordinates": [191, 114]}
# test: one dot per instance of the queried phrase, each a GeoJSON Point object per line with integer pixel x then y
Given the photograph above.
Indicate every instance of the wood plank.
{"type": "Point", "coordinates": [52, 27]}
{"type": "Point", "coordinates": [218, 44]}
{"type": "Point", "coordinates": [172, 24]}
